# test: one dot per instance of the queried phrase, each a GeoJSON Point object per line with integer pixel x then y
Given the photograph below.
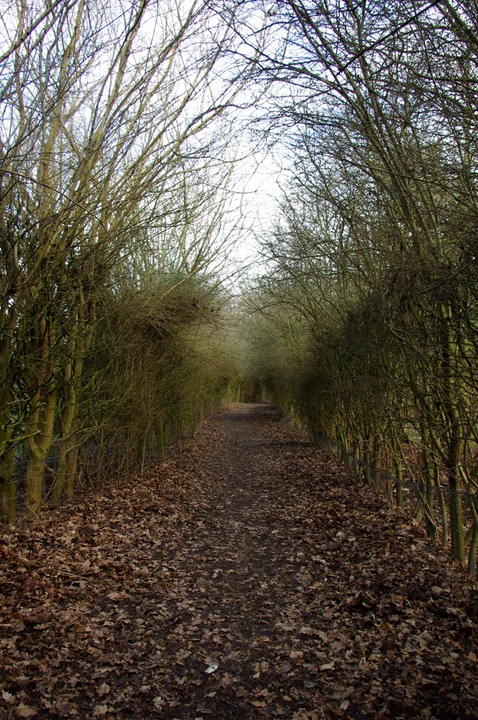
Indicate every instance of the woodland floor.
{"type": "Point", "coordinates": [248, 549]}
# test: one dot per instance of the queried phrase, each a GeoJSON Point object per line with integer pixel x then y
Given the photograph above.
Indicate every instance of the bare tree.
{"type": "Point", "coordinates": [377, 103]}
{"type": "Point", "coordinates": [104, 110]}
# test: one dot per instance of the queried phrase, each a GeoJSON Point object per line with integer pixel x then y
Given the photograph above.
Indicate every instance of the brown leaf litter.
{"type": "Point", "coordinates": [247, 576]}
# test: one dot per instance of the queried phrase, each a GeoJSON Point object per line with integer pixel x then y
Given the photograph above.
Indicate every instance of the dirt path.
{"type": "Point", "coordinates": [249, 550]}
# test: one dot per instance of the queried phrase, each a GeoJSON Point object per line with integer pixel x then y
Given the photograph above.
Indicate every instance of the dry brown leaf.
{"type": "Point", "coordinates": [24, 711]}
{"type": "Point", "coordinates": [100, 710]}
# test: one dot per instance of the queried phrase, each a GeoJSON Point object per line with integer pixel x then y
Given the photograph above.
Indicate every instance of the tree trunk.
{"type": "Point", "coordinates": [8, 511]}
{"type": "Point", "coordinates": [456, 507]}
{"type": "Point", "coordinates": [38, 447]}
{"type": "Point", "coordinates": [8, 320]}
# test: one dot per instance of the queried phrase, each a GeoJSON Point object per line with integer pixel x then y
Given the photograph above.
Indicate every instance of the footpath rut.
{"type": "Point", "coordinates": [247, 576]}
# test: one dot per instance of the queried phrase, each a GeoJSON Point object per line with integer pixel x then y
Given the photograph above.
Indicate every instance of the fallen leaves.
{"type": "Point", "coordinates": [251, 552]}
{"type": "Point", "coordinates": [23, 711]}
{"type": "Point", "coordinates": [100, 710]}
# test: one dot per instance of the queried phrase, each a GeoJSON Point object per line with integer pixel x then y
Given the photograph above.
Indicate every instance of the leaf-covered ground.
{"type": "Point", "coordinates": [249, 550]}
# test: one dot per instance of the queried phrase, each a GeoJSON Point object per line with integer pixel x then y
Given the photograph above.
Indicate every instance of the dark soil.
{"type": "Point", "coordinates": [247, 576]}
